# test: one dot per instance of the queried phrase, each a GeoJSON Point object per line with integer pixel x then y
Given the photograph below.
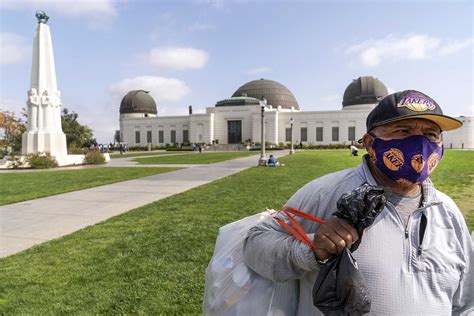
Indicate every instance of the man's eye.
{"type": "Point", "coordinates": [432, 135]}
{"type": "Point", "coordinates": [401, 131]}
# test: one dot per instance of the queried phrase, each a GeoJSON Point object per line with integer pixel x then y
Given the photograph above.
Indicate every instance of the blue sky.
{"type": "Point", "coordinates": [198, 52]}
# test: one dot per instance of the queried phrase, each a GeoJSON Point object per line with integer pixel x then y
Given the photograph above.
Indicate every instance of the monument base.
{"type": "Point", "coordinates": [70, 160]}
{"type": "Point", "coordinates": [35, 142]}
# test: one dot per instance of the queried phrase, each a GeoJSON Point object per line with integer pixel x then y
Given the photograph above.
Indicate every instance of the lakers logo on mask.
{"type": "Point", "coordinates": [417, 163]}
{"type": "Point", "coordinates": [433, 161]}
{"type": "Point", "coordinates": [393, 159]}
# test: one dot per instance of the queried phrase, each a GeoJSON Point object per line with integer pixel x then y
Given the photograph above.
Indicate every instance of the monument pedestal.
{"type": "Point", "coordinates": [54, 143]}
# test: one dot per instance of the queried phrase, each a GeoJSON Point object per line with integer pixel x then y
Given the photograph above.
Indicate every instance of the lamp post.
{"type": "Point", "coordinates": [292, 150]}
{"type": "Point", "coordinates": [263, 159]}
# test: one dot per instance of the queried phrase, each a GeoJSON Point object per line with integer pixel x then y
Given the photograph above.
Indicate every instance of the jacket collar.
{"type": "Point", "coordinates": [427, 188]}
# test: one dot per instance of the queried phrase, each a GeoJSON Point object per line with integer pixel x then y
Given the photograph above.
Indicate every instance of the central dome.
{"type": "Point", "coordinates": [275, 93]}
{"type": "Point", "coordinates": [364, 90]}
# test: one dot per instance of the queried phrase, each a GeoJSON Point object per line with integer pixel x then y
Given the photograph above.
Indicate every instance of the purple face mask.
{"type": "Point", "coordinates": [406, 161]}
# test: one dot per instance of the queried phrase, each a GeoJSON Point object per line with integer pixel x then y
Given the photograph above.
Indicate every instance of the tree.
{"type": "Point", "coordinates": [11, 130]}
{"type": "Point", "coordinates": [117, 137]}
{"type": "Point", "coordinates": [77, 135]}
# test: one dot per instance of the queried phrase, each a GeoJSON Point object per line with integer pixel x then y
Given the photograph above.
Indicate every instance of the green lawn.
{"type": "Point", "coordinates": [196, 158]}
{"type": "Point", "coordinates": [152, 260]}
{"type": "Point", "coordinates": [22, 186]}
{"type": "Point", "coordinates": [152, 153]}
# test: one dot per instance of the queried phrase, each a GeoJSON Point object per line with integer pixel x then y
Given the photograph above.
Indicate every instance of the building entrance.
{"type": "Point", "coordinates": [234, 132]}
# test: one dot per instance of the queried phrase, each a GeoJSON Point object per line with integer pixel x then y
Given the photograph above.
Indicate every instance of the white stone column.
{"type": "Point", "coordinates": [33, 117]}
{"type": "Point", "coordinates": [40, 118]}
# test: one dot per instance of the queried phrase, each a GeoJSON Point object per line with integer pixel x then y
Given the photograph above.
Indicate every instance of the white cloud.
{"type": "Point", "coordinates": [161, 89]}
{"type": "Point", "coordinates": [176, 58]}
{"type": "Point", "coordinates": [66, 8]}
{"type": "Point", "coordinates": [406, 47]}
{"type": "Point", "coordinates": [99, 14]}
{"type": "Point", "coordinates": [13, 48]}
{"type": "Point", "coordinates": [258, 71]}
{"type": "Point", "coordinates": [455, 46]}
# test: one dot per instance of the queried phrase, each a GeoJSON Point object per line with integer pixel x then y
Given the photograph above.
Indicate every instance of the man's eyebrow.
{"type": "Point", "coordinates": [403, 125]}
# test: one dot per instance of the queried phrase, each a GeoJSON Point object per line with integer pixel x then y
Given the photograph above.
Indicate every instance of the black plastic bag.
{"type": "Point", "coordinates": [340, 288]}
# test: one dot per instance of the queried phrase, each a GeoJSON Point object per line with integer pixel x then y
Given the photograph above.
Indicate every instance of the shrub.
{"type": "Point", "coordinates": [137, 148]}
{"type": "Point", "coordinates": [94, 158]}
{"type": "Point", "coordinates": [15, 162]}
{"type": "Point", "coordinates": [76, 151]}
{"type": "Point", "coordinates": [41, 160]}
{"type": "Point", "coordinates": [179, 149]}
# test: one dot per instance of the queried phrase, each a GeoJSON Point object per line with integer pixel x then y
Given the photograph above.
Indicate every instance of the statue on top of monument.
{"type": "Point", "coordinates": [33, 97]}
{"type": "Point", "coordinates": [42, 17]}
{"type": "Point", "coordinates": [45, 99]}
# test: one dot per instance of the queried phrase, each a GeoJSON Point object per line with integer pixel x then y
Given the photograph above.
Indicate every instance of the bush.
{"type": "Point", "coordinates": [76, 151]}
{"type": "Point", "coordinates": [179, 149]}
{"type": "Point", "coordinates": [137, 148]}
{"type": "Point", "coordinates": [41, 160]}
{"type": "Point", "coordinates": [94, 158]}
{"type": "Point", "coordinates": [15, 162]}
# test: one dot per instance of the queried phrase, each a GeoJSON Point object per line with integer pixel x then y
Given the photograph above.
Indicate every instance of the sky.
{"type": "Point", "coordinates": [197, 52]}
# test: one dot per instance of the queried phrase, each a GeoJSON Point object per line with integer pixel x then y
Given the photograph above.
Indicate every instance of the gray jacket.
{"type": "Point", "coordinates": [404, 277]}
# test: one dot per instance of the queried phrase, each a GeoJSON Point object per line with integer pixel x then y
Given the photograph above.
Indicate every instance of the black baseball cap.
{"type": "Point", "coordinates": [409, 104]}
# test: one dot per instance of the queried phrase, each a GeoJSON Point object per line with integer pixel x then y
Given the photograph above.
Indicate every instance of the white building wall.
{"type": "Point", "coordinates": [200, 128]}
{"type": "Point", "coordinates": [204, 128]}
{"type": "Point", "coordinates": [461, 138]}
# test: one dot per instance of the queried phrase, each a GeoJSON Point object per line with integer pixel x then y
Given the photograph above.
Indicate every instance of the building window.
{"type": "Point", "coordinates": [173, 137]}
{"type": "Point", "coordinates": [137, 137]}
{"type": "Point", "coordinates": [185, 136]}
{"type": "Point", "coordinates": [351, 133]}
{"type": "Point", "coordinates": [304, 134]}
{"type": "Point", "coordinates": [161, 137]}
{"type": "Point", "coordinates": [148, 137]}
{"type": "Point", "coordinates": [288, 134]}
{"type": "Point", "coordinates": [319, 134]}
{"type": "Point", "coordinates": [335, 134]}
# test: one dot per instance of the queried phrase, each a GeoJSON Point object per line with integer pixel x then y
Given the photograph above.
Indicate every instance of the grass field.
{"type": "Point", "coordinates": [22, 186]}
{"type": "Point", "coordinates": [152, 260]}
{"type": "Point", "coordinates": [203, 158]}
{"type": "Point", "coordinates": [152, 153]}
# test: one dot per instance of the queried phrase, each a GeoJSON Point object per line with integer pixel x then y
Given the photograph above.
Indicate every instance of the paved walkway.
{"type": "Point", "coordinates": [25, 224]}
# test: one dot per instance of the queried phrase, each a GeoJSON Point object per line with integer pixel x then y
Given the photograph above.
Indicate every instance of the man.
{"type": "Point", "coordinates": [272, 161]}
{"type": "Point", "coordinates": [354, 150]}
{"type": "Point", "coordinates": [417, 257]}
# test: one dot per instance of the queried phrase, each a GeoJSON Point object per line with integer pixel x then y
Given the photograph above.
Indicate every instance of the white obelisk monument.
{"type": "Point", "coordinates": [44, 132]}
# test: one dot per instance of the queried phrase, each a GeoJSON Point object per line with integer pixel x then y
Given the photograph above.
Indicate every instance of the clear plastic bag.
{"type": "Point", "coordinates": [234, 289]}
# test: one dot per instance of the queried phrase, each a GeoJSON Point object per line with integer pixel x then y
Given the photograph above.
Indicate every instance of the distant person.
{"type": "Point", "coordinates": [354, 150]}
{"type": "Point", "coordinates": [272, 161]}
{"type": "Point", "coordinates": [121, 149]}
{"type": "Point", "coordinates": [301, 145]}
{"type": "Point", "coordinates": [194, 147]}
{"type": "Point", "coordinates": [200, 148]}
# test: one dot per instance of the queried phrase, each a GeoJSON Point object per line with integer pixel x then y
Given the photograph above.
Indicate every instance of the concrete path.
{"type": "Point", "coordinates": [25, 224]}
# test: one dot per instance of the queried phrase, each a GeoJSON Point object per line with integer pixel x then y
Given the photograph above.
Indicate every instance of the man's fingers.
{"type": "Point", "coordinates": [349, 229]}
{"type": "Point", "coordinates": [333, 236]}
{"type": "Point", "coordinates": [331, 242]}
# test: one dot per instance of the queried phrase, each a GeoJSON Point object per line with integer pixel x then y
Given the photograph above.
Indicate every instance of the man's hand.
{"type": "Point", "coordinates": [332, 237]}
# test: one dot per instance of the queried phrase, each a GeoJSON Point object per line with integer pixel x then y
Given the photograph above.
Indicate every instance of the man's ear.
{"type": "Point", "coordinates": [367, 140]}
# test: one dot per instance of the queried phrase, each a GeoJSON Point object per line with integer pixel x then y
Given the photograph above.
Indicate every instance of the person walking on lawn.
{"type": "Point", "coordinates": [417, 257]}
